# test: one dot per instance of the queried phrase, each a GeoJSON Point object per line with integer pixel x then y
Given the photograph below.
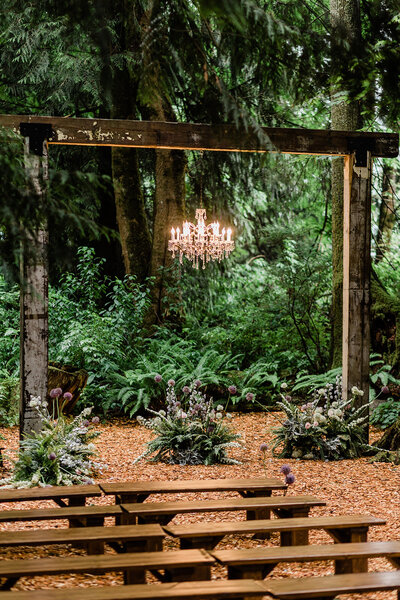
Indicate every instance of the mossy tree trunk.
{"type": "Point", "coordinates": [387, 215]}
{"type": "Point", "coordinates": [345, 116]}
{"type": "Point", "coordinates": [129, 201]}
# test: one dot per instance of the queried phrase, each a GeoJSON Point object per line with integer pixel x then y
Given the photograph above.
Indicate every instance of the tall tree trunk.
{"type": "Point", "coordinates": [346, 28]}
{"type": "Point", "coordinates": [387, 216]}
{"type": "Point", "coordinates": [170, 168]}
{"type": "Point", "coordinates": [129, 201]}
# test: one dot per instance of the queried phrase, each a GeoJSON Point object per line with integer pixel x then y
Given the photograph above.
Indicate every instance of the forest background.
{"type": "Point", "coordinates": [119, 306]}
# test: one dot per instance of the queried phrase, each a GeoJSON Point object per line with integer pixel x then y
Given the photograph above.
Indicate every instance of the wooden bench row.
{"type": "Point", "coordinates": [285, 589]}
{"type": "Point", "coordinates": [180, 565]}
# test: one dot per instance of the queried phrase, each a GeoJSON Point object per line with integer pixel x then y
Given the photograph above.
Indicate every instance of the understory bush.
{"type": "Point", "coordinates": [328, 427]}
{"type": "Point", "coordinates": [61, 453]}
{"type": "Point", "coordinates": [9, 401]}
{"type": "Point", "coordinates": [386, 414]}
{"type": "Point", "coordinates": [190, 431]}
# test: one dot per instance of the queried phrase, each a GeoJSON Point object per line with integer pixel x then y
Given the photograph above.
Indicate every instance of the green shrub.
{"type": "Point", "coordinates": [60, 454]}
{"type": "Point", "coordinates": [9, 401]}
{"type": "Point", "coordinates": [328, 427]}
{"type": "Point", "coordinates": [190, 431]}
{"type": "Point", "coordinates": [386, 414]}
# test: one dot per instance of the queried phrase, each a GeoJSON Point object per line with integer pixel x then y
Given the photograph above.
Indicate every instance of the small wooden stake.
{"type": "Point", "coordinates": [34, 301]}
{"type": "Point", "coordinates": [356, 275]}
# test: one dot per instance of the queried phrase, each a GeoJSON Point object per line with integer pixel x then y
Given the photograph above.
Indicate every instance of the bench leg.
{"type": "Point", "coordinates": [352, 534]}
{"type": "Point", "coordinates": [133, 576]}
{"type": "Point", "coordinates": [200, 573]}
{"type": "Point", "coordinates": [259, 514]}
{"type": "Point", "coordinates": [249, 571]}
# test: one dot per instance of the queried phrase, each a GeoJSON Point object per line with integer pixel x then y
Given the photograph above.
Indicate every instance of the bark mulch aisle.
{"type": "Point", "coordinates": [348, 487]}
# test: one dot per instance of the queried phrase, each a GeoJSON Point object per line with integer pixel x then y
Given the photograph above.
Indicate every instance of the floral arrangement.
{"type": "Point", "coordinates": [190, 431]}
{"type": "Point", "coordinates": [60, 453]}
{"type": "Point", "coordinates": [328, 427]}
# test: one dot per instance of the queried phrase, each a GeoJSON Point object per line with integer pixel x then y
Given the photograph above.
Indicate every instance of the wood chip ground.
{"type": "Point", "coordinates": [348, 487]}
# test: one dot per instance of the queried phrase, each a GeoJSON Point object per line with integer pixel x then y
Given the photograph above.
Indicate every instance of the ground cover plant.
{"type": "Point", "coordinates": [190, 431]}
{"type": "Point", "coordinates": [61, 453]}
{"type": "Point", "coordinates": [328, 427]}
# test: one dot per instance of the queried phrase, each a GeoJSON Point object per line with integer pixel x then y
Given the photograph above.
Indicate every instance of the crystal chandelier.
{"type": "Point", "coordinates": [201, 242]}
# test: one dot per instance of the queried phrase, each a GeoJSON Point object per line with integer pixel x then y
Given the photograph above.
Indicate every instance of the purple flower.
{"type": "Point", "coordinates": [232, 389]}
{"type": "Point", "coordinates": [171, 382]}
{"type": "Point", "coordinates": [86, 423]}
{"type": "Point", "coordinates": [88, 481]}
{"type": "Point", "coordinates": [55, 393]}
{"type": "Point", "coordinates": [52, 456]}
{"type": "Point", "coordinates": [288, 398]}
{"type": "Point", "coordinates": [157, 378]}
{"type": "Point", "coordinates": [385, 390]}
{"type": "Point", "coordinates": [68, 396]}
{"type": "Point", "coordinates": [186, 389]}
{"type": "Point", "coordinates": [307, 425]}
{"type": "Point", "coordinates": [285, 469]}
{"type": "Point", "coordinates": [249, 396]}
{"type": "Point", "coordinates": [95, 420]}
{"type": "Point", "coordinates": [197, 383]}
{"type": "Point", "coordinates": [263, 447]}
{"type": "Point", "coordinates": [290, 478]}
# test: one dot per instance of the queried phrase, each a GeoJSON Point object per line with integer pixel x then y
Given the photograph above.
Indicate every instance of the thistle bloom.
{"type": "Point", "coordinates": [232, 389]}
{"type": "Point", "coordinates": [263, 447]}
{"type": "Point", "coordinates": [249, 397]}
{"type": "Point", "coordinates": [285, 469]}
{"type": "Point", "coordinates": [157, 378]}
{"type": "Point", "coordinates": [68, 396]}
{"type": "Point", "coordinates": [290, 478]}
{"type": "Point", "coordinates": [55, 393]}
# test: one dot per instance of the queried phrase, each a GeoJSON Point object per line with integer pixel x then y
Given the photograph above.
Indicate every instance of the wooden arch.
{"type": "Point", "coordinates": [358, 150]}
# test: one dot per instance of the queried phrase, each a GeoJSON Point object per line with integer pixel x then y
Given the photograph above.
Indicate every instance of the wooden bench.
{"type": "Point", "coordinates": [164, 512]}
{"type": "Point", "coordinates": [257, 563]}
{"type": "Point", "coordinates": [122, 538]}
{"type": "Point", "coordinates": [75, 494]}
{"type": "Point", "coordinates": [332, 585]}
{"type": "Point", "coordinates": [353, 528]}
{"type": "Point", "coordinates": [178, 565]}
{"type": "Point", "coordinates": [137, 491]}
{"type": "Point", "coordinates": [77, 516]}
{"type": "Point", "coordinates": [190, 590]}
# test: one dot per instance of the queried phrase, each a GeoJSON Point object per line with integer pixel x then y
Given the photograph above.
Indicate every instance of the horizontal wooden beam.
{"type": "Point", "coordinates": [195, 136]}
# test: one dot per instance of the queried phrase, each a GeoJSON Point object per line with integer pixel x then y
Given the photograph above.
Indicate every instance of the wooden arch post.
{"type": "Point", "coordinates": [357, 274]}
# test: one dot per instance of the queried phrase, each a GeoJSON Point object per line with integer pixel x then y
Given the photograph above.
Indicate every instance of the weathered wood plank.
{"type": "Point", "coordinates": [34, 301]}
{"type": "Point", "coordinates": [80, 492]}
{"type": "Point", "coordinates": [197, 136]}
{"type": "Point", "coordinates": [356, 277]}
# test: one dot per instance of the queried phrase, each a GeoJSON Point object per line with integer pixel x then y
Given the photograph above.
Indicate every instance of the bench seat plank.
{"type": "Point", "coordinates": [270, 525]}
{"type": "Point", "coordinates": [332, 585]}
{"type": "Point", "coordinates": [223, 504]}
{"type": "Point", "coordinates": [38, 514]}
{"type": "Point", "coordinates": [49, 493]}
{"type": "Point", "coordinates": [310, 553]}
{"type": "Point", "coordinates": [196, 485]}
{"type": "Point", "coordinates": [191, 590]}
{"type": "Point", "coordinates": [38, 537]}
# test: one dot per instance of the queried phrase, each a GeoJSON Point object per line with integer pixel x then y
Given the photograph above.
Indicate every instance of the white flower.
{"type": "Point", "coordinates": [284, 385]}
{"type": "Point", "coordinates": [91, 447]}
{"type": "Point", "coordinates": [356, 392]}
{"type": "Point", "coordinates": [218, 415]}
{"type": "Point", "coordinates": [220, 407]}
{"type": "Point", "coordinates": [228, 416]}
{"type": "Point", "coordinates": [321, 391]}
{"type": "Point", "coordinates": [331, 412]}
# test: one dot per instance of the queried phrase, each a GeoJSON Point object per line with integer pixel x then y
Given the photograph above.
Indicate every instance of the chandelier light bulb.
{"type": "Point", "coordinates": [201, 242]}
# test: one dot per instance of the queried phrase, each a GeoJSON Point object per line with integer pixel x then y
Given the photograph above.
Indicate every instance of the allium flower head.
{"type": "Point", "coordinates": [197, 383]}
{"type": "Point", "coordinates": [249, 397]}
{"type": "Point", "coordinates": [67, 396]}
{"type": "Point", "coordinates": [95, 420]}
{"type": "Point", "coordinates": [157, 378]}
{"type": "Point", "coordinates": [186, 389]}
{"type": "Point", "coordinates": [55, 393]}
{"type": "Point", "coordinates": [52, 456]}
{"type": "Point", "coordinates": [171, 382]}
{"type": "Point", "coordinates": [86, 423]}
{"type": "Point", "coordinates": [288, 398]}
{"type": "Point", "coordinates": [290, 479]}
{"type": "Point", "coordinates": [385, 390]}
{"type": "Point", "coordinates": [232, 389]}
{"type": "Point", "coordinates": [285, 469]}
{"type": "Point", "coordinates": [263, 447]}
